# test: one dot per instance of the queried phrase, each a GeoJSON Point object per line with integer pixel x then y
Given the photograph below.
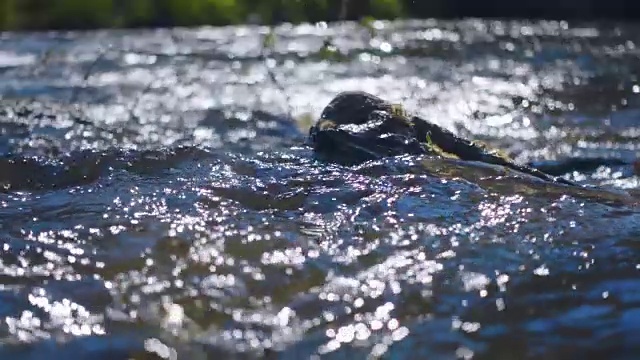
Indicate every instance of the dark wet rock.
{"type": "Point", "coordinates": [356, 127]}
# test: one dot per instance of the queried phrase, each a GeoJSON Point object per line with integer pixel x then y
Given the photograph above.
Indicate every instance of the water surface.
{"type": "Point", "coordinates": [158, 201]}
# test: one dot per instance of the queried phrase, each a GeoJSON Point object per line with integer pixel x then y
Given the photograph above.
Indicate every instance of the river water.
{"type": "Point", "coordinates": [158, 201]}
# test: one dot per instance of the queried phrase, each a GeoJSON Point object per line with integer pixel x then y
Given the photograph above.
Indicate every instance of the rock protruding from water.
{"type": "Point", "coordinates": [356, 127]}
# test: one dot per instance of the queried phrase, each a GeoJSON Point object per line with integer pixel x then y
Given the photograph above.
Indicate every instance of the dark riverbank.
{"type": "Point", "coordinates": [76, 14]}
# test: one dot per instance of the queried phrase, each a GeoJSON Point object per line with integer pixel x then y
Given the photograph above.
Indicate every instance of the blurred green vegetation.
{"type": "Point", "coordinates": [86, 14]}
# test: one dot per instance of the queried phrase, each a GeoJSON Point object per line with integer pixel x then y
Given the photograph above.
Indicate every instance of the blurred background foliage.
{"type": "Point", "coordinates": [85, 14]}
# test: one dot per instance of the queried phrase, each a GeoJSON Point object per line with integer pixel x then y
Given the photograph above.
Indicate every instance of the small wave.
{"type": "Point", "coordinates": [19, 173]}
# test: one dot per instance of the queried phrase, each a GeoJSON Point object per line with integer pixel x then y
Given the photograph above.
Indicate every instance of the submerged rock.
{"type": "Point", "coordinates": [356, 127]}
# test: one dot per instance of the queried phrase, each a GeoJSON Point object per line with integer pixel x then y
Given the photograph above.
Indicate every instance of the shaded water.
{"type": "Point", "coordinates": [190, 221]}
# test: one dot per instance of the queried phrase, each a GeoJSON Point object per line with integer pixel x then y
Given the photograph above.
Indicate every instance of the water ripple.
{"type": "Point", "coordinates": [165, 205]}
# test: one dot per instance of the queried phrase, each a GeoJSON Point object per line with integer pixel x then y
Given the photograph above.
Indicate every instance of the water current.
{"type": "Point", "coordinates": [158, 201]}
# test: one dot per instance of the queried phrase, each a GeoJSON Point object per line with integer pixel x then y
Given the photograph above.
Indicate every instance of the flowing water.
{"type": "Point", "coordinates": [158, 201]}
